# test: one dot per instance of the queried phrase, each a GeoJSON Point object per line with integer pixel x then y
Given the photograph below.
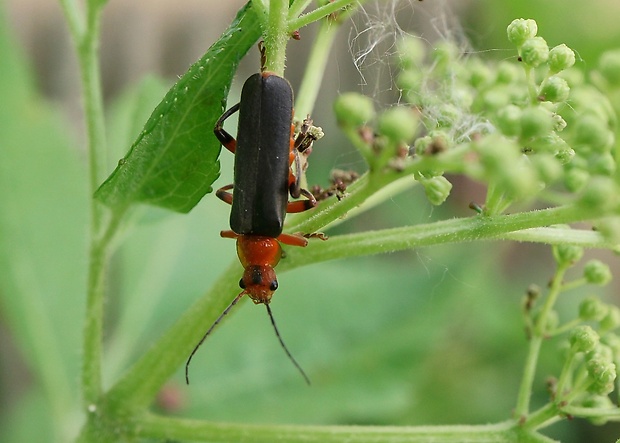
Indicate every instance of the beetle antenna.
{"type": "Point", "coordinates": [204, 337]}
{"type": "Point", "coordinates": [290, 356]}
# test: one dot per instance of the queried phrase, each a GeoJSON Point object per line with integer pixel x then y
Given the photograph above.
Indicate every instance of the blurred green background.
{"type": "Point", "coordinates": [432, 336]}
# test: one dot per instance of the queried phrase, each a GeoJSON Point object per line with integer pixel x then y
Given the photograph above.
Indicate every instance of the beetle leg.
{"type": "Point", "coordinates": [293, 240]}
{"type": "Point", "coordinates": [228, 234]}
{"type": "Point", "coordinates": [227, 140]}
{"type": "Point", "coordinates": [225, 196]}
{"type": "Point", "coordinates": [302, 205]}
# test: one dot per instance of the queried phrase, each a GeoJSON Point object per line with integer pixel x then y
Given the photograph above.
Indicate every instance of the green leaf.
{"type": "Point", "coordinates": [174, 161]}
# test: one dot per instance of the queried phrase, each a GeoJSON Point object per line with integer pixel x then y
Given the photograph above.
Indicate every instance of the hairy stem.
{"type": "Point", "coordinates": [85, 33]}
{"type": "Point", "coordinates": [177, 429]}
{"type": "Point", "coordinates": [538, 335]}
{"type": "Point", "coordinates": [276, 37]}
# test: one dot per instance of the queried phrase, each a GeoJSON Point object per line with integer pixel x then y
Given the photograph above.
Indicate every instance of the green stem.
{"type": "Point", "coordinates": [93, 327]}
{"type": "Point", "coordinates": [527, 381]}
{"type": "Point", "coordinates": [315, 69]}
{"type": "Point", "coordinates": [538, 335]}
{"type": "Point", "coordinates": [276, 37]}
{"type": "Point", "coordinates": [562, 236]}
{"type": "Point", "coordinates": [85, 34]}
{"type": "Point", "coordinates": [319, 13]}
{"type": "Point", "coordinates": [543, 417]}
{"type": "Point", "coordinates": [141, 383]}
{"type": "Point", "coordinates": [165, 428]}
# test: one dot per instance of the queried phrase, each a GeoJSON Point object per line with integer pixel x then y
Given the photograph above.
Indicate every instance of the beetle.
{"type": "Point", "coordinates": [267, 170]}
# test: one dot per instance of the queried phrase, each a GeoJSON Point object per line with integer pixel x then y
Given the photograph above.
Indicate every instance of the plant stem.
{"type": "Point", "coordinates": [165, 428]}
{"type": "Point", "coordinates": [141, 383]}
{"type": "Point", "coordinates": [100, 251]}
{"type": "Point", "coordinates": [538, 335]}
{"type": "Point", "coordinates": [276, 37]}
{"type": "Point", "coordinates": [85, 33]}
{"type": "Point", "coordinates": [315, 69]}
{"type": "Point", "coordinates": [319, 13]}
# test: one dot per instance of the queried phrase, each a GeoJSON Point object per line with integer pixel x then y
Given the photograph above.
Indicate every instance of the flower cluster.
{"type": "Point", "coordinates": [531, 129]}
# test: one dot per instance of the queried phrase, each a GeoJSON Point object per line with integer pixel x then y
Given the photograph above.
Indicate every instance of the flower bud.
{"type": "Point", "coordinates": [601, 193]}
{"type": "Point", "coordinates": [592, 131]}
{"type": "Point", "coordinates": [534, 52]}
{"type": "Point", "coordinates": [567, 255]}
{"type": "Point", "coordinates": [602, 373]}
{"type": "Point", "coordinates": [437, 189]}
{"type": "Point", "coordinates": [399, 124]}
{"type": "Point", "coordinates": [353, 109]}
{"type": "Point", "coordinates": [547, 167]}
{"type": "Point", "coordinates": [536, 122]}
{"type": "Point", "coordinates": [507, 73]}
{"type": "Point", "coordinates": [560, 58]}
{"type": "Point", "coordinates": [410, 80]}
{"type": "Point", "coordinates": [612, 320]}
{"type": "Point", "coordinates": [520, 30]}
{"type": "Point", "coordinates": [583, 339]}
{"type": "Point", "coordinates": [554, 89]}
{"type": "Point", "coordinates": [411, 52]}
{"type": "Point", "coordinates": [565, 154]}
{"type": "Point", "coordinates": [509, 120]}
{"type": "Point", "coordinates": [597, 273]}
{"type": "Point", "coordinates": [592, 309]}
{"type": "Point", "coordinates": [575, 179]}
{"type": "Point", "coordinates": [609, 65]}
{"type": "Point", "coordinates": [603, 164]}
{"type": "Point", "coordinates": [479, 73]}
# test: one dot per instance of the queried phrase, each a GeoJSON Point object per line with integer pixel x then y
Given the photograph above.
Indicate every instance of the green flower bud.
{"type": "Point", "coordinates": [410, 80]}
{"type": "Point", "coordinates": [567, 254]}
{"type": "Point", "coordinates": [600, 193]}
{"type": "Point", "coordinates": [597, 273]}
{"type": "Point", "coordinates": [612, 341]}
{"type": "Point", "coordinates": [479, 73]}
{"type": "Point", "coordinates": [575, 179]}
{"type": "Point", "coordinates": [399, 124]}
{"type": "Point", "coordinates": [411, 52]}
{"type": "Point", "coordinates": [547, 167]}
{"type": "Point", "coordinates": [612, 320]}
{"type": "Point", "coordinates": [602, 373]}
{"type": "Point", "coordinates": [554, 89]}
{"type": "Point", "coordinates": [560, 58]}
{"type": "Point", "coordinates": [353, 109]}
{"type": "Point", "coordinates": [509, 120]}
{"type": "Point", "coordinates": [592, 131]}
{"type": "Point", "coordinates": [534, 51]}
{"type": "Point", "coordinates": [536, 122]}
{"type": "Point", "coordinates": [583, 339]}
{"type": "Point", "coordinates": [603, 164]}
{"type": "Point", "coordinates": [495, 98]}
{"type": "Point", "coordinates": [565, 155]}
{"type": "Point", "coordinates": [609, 228]}
{"type": "Point", "coordinates": [437, 189]}
{"type": "Point", "coordinates": [592, 309]}
{"type": "Point", "coordinates": [432, 144]}
{"type": "Point", "coordinates": [507, 73]}
{"type": "Point", "coordinates": [609, 65]}
{"type": "Point", "coordinates": [445, 53]}
{"type": "Point", "coordinates": [520, 30]}
{"type": "Point", "coordinates": [559, 124]}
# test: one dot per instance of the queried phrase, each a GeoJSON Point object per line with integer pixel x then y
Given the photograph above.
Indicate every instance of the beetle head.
{"type": "Point", "coordinates": [259, 282]}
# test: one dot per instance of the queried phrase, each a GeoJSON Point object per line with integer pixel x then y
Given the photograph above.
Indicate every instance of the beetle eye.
{"type": "Point", "coordinates": [274, 285]}
{"type": "Point", "coordinates": [241, 284]}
